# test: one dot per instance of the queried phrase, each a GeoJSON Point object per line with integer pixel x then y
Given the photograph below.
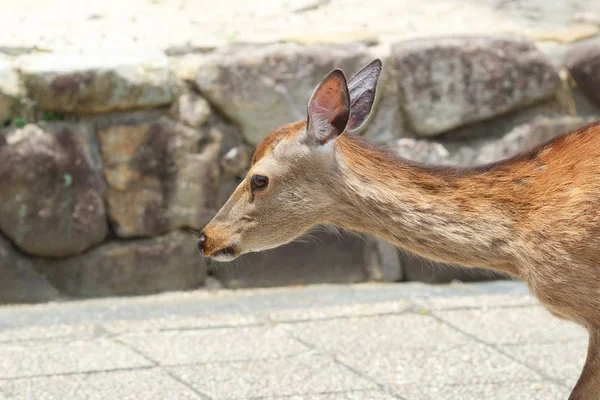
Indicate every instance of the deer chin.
{"type": "Point", "coordinates": [226, 254]}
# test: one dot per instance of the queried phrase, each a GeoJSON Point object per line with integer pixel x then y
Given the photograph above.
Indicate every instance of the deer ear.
{"type": "Point", "coordinates": [362, 87]}
{"type": "Point", "coordinates": [329, 108]}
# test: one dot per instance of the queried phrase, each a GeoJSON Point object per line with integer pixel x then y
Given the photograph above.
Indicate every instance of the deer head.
{"type": "Point", "coordinates": [291, 185]}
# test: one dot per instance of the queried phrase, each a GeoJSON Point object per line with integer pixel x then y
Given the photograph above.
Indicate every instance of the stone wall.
{"type": "Point", "coordinates": [110, 161]}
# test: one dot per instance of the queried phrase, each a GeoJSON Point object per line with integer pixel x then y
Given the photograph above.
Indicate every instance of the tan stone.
{"type": "Point", "coordinates": [161, 176]}
{"type": "Point", "coordinates": [141, 266]}
{"type": "Point", "coordinates": [97, 82]}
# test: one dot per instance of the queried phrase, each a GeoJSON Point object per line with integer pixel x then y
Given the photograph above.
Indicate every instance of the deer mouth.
{"type": "Point", "coordinates": [225, 254]}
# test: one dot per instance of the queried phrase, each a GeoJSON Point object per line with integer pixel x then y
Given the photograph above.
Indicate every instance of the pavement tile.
{"type": "Point", "coordinates": [513, 325]}
{"type": "Point", "coordinates": [496, 391]}
{"type": "Point", "coordinates": [45, 332]}
{"type": "Point", "coordinates": [67, 356]}
{"type": "Point", "coordinates": [461, 365]}
{"type": "Point", "coordinates": [223, 344]}
{"type": "Point", "coordinates": [355, 395]}
{"type": "Point", "coordinates": [183, 322]}
{"type": "Point", "coordinates": [148, 384]}
{"type": "Point", "coordinates": [477, 301]}
{"type": "Point", "coordinates": [299, 375]}
{"type": "Point", "coordinates": [560, 360]}
{"type": "Point", "coordinates": [352, 310]}
{"type": "Point", "coordinates": [378, 333]}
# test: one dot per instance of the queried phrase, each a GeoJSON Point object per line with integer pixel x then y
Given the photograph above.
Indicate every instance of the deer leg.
{"type": "Point", "coordinates": [588, 385]}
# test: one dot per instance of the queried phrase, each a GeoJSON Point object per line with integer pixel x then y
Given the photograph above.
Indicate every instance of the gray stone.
{"type": "Point", "coordinates": [583, 62]}
{"type": "Point", "coordinates": [386, 121]}
{"type": "Point", "coordinates": [481, 150]}
{"type": "Point", "coordinates": [226, 188]}
{"type": "Point", "coordinates": [318, 258]}
{"type": "Point", "coordinates": [161, 176]}
{"type": "Point", "coordinates": [263, 87]}
{"type": "Point", "coordinates": [386, 265]}
{"type": "Point", "coordinates": [9, 87]}
{"type": "Point", "coordinates": [192, 110]}
{"type": "Point", "coordinates": [453, 81]}
{"type": "Point", "coordinates": [526, 137]}
{"type": "Point", "coordinates": [236, 161]}
{"type": "Point", "coordinates": [142, 266]}
{"type": "Point", "coordinates": [51, 189]}
{"type": "Point", "coordinates": [233, 163]}
{"type": "Point", "coordinates": [95, 82]}
{"type": "Point", "coordinates": [501, 124]}
{"type": "Point", "coordinates": [19, 282]}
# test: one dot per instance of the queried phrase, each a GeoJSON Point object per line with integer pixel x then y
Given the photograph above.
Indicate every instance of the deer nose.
{"type": "Point", "coordinates": [202, 242]}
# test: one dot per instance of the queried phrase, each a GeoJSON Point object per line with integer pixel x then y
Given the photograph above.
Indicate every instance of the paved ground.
{"type": "Point", "coordinates": [65, 25]}
{"type": "Point", "coordinates": [371, 341]}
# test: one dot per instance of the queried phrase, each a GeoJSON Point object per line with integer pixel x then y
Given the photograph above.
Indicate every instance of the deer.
{"type": "Point", "coordinates": [534, 216]}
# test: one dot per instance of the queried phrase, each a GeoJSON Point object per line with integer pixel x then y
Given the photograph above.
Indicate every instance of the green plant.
{"type": "Point", "coordinates": [20, 122]}
{"type": "Point", "coordinates": [53, 116]}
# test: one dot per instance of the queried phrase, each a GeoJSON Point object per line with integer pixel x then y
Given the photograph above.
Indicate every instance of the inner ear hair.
{"type": "Point", "coordinates": [329, 108]}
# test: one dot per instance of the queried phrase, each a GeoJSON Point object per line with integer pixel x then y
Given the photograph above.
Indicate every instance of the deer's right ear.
{"type": "Point", "coordinates": [329, 108]}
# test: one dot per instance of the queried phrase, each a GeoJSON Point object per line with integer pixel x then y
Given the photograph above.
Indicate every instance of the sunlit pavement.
{"type": "Point", "coordinates": [368, 341]}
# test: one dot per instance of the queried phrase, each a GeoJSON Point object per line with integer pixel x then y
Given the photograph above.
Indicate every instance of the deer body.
{"type": "Point", "coordinates": [535, 216]}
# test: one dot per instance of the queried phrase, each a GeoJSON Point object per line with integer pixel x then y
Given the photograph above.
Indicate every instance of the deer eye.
{"type": "Point", "coordinates": [258, 182]}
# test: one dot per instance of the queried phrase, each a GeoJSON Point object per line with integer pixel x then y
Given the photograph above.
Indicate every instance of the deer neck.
{"type": "Point", "coordinates": [445, 215]}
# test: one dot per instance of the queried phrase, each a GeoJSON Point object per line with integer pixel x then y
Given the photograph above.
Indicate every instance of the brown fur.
{"type": "Point", "coordinates": [268, 144]}
{"type": "Point", "coordinates": [535, 216]}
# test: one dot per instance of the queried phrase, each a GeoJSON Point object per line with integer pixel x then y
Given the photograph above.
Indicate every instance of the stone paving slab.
{"type": "Point", "coordinates": [354, 395]}
{"type": "Point", "coordinates": [368, 341]}
{"type": "Point", "coordinates": [209, 345]}
{"type": "Point", "coordinates": [307, 373]}
{"type": "Point", "coordinates": [177, 25]}
{"type": "Point", "coordinates": [464, 302]}
{"type": "Point", "coordinates": [61, 357]}
{"type": "Point", "coordinates": [139, 384]}
{"type": "Point", "coordinates": [47, 332]}
{"type": "Point", "coordinates": [512, 325]}
{"type": "Point", "coordinates": [372, 334]}
{"type": "Point", "coordinates": [469, 364]}
{"type": "Point", "coordinates": [496, 391]}
{"type": "Point", "coordinates": [562, 360]}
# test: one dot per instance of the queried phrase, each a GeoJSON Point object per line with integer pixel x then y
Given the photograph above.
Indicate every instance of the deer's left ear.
{"type": "Point", "coordinates": [329, 108]}
{"type": "Point", "coordinates": [362, 87]}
